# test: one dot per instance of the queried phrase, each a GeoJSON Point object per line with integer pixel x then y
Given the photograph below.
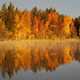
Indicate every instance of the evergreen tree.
{"type": "Point", "coordinates": [8, 16]}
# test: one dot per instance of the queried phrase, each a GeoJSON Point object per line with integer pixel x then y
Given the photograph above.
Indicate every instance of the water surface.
{"type": "Point", "coordinates": [51, 62]}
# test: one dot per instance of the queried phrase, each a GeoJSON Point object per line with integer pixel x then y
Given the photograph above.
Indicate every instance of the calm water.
{"type": "Point", "coordinates": [52, 62]}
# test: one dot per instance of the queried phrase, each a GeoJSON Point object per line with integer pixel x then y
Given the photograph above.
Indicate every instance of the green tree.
{"type": "Point", "coordinates": [8, 16]}
{"type": "Point", "coordinates": [34, 11]}
{"type": "Point", "coordinates": [50, 10]}
{"type": "Point", "coordinates": [77, 25]}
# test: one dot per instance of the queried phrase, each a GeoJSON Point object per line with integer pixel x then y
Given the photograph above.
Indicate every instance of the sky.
{"type": "Point", "coordinates": [66, 7]}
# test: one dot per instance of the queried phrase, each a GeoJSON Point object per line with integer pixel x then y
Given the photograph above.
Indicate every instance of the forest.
{"type": "Point", "coordinates": [36, 24]}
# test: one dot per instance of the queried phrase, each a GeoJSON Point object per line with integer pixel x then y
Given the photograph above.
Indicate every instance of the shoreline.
{"type": "Point", "coordinates": [21, 44]}
{"type": "Point", "coordinates": [40, 41]}
{"type": "Point", "coordinates": [72, 39]}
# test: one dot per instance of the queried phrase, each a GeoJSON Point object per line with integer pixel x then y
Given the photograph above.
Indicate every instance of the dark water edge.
{"type": "Point", "coordinates": [40, 60]}
{"type": "Point", "coordinates": [65, 72]}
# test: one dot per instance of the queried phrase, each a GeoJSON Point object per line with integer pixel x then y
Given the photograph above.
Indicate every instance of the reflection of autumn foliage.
{"type": "Point", "coordinates": [37, 59]}
{"type": "Point", "coordinates": [67, 55]}
{"type": "Point", "coordinates": [17, 24]}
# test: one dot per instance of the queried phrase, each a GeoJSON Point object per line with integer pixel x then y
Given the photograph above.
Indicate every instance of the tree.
{"type": "Point", "coordinates": [50, 10]}
{"type": "Point", "coordinates": [77, 25]}
{"type": "Point", "coordinates": [34, 11]}
{"type": "Point", "coordinates": [8, 16]}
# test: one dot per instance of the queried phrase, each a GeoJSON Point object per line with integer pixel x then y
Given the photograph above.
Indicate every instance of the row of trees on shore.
{"type": "Point", "coordinates": [36, 23]}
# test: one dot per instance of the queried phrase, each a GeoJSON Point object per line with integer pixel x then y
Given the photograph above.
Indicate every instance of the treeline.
{"type": "Point", "coordinates": [36, 23]}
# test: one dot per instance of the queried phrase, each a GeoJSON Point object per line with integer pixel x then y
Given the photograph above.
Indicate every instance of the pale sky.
{"type": "Point", "coordinates": [67, 7]}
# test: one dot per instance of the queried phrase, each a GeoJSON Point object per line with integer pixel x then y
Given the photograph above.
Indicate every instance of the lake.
{"type": "Point", "coordinates": [39, 60]}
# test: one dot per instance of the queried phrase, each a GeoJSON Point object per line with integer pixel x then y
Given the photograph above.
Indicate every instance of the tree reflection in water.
{"type": "Point", "coordinates": [8, 63]}
{"type": "Point", "coordinates": [37, 59]}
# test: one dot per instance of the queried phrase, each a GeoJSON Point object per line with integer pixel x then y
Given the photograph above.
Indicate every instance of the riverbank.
{"type": "Point", "coordinates": [37, 43]}
{"type": "Point", "coordinates": [42, 40]}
